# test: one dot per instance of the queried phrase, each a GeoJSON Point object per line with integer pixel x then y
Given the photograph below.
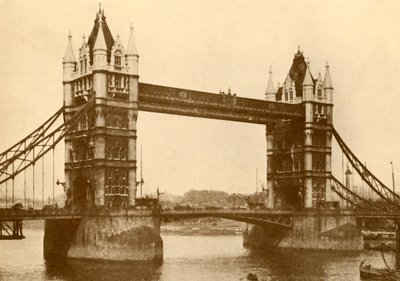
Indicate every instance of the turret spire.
{"type": "Point", "coordinates": [327, 80]}
{"type": "Point", "coordinates": [100, 43]}
{"type": "Point", "coordinates": [131, 49]}
{"type": "Point", "coordinates": [270, 87]}
{"type": "Point", "coordinates": [69, 52]}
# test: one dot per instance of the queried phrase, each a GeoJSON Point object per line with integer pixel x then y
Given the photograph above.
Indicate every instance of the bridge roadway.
{"type": "Point", "coordinates": [260, 217]}
{"type": "Point", "coordinates": [278, 218]}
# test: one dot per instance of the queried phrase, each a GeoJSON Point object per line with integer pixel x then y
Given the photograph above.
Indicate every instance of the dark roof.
{"type": "Point", "coordinates": [297, 72]}
{"type": "Point", "coordinates": [107, 36]}
{"type": "Point", "coordinates": [279, 94]}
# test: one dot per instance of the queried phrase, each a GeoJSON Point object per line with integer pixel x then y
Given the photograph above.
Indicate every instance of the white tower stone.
{"type": "Point", "coordinates": [132, 56]}
{"type": "Point", "coordinates": [69, 64]}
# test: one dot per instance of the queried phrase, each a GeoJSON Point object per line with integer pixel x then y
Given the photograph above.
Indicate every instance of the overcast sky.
{"type": "Point", "coordinates": [212, 46]}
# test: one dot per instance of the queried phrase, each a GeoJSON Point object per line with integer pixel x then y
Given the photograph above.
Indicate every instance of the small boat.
{"type": "Point", "coordinates": [252, 277]}
{"type": "Point", "coordinates": [370, 273]}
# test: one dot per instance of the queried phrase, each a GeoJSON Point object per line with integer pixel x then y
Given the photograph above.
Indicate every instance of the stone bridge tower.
{"type": "Point", "coordinates": [299, 153]}
{"type": "Point", "coordinates": [100, 152]}
{"type": "Point", "coordinates": [100, 156]}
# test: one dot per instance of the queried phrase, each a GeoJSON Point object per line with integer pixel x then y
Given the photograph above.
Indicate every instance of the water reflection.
{"type": "Point", "coordinates": [86, 270]}
{"type": "Point", "coordinates": [285, 264]}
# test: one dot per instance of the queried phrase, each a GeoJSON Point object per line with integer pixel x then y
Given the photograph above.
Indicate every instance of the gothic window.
{"type": "Point", "coordinates": [116, 181]}
{"type": "Point", "coordinates": [318, 162]}
{"type": "Point", "coordinates": [79, 150]}
{"type": "Point", "coordinates": [286, 95]}
{"type": "Point", "coordinates": [117, 119]}
{"type": "Point", "coordinates": [116, 152]}
{"type": "Point", "coordinates": [319, 138]}
{"type": "Point", "coordinates": [291, 94]}
{"type": "Point", "coordinates": [117, 58]}
{"type": "Point", "coordinates": [83, 122]}
{"type": "Point", "coordinates": [109, 153]}
{"type": "Point", "coordinates": [118, 81]}
{"type": "Point", "coordinates": [115, 122]}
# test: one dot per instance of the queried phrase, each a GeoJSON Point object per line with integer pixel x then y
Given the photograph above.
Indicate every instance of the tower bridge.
{"type": "Point", "coordinates": [306, 206]}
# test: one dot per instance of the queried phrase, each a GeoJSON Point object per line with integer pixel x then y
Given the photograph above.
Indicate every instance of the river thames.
{"type": "Point", "coordinates": [195, 258]}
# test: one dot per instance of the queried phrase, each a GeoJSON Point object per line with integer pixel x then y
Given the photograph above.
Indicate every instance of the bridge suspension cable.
{"type": "Point", "coordinates": [29, 139]}
{"type": "Point", "coordinates": [23, 154]}
{"type": "Point", "coordinates": [350, 196]}
{"type": "Point", "coordinates": [372, 181]}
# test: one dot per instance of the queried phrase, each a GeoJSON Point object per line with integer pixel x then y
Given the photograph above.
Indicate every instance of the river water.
{"type": "Point", "coordinates": [192, 258]}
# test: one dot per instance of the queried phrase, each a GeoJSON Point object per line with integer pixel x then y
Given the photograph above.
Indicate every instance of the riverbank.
{"type": "Point", "coordinates": [204, 226]}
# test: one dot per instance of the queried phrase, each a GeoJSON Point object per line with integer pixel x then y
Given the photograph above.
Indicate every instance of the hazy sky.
{"type": "Point", "coordinates": [211, 46]}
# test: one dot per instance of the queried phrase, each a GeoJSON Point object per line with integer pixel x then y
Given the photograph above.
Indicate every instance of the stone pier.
{"type": "Point", "coordinates": [322, 230]}
{"type": "Point", "coordinates": [118, 235]}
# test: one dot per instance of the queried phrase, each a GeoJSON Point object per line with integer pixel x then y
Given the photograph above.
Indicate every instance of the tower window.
{"type": "Point", "coordinates": [117, 60]}
{"type": "Point", "coordinates": [117, 81]}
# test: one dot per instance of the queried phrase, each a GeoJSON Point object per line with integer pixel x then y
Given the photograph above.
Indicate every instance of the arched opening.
{"type": "Point", "coordinates": [83, 194]}
{"type": "Point", "coordinates": [116, 203]}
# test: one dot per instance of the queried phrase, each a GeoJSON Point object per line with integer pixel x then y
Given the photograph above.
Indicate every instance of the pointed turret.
{"type": "Point", "coordinates": [328, 88]}
{"type": "Point", "coordinates": [69, 64]}
{"type": "Point", "coordinates": [69, 61]}
{"type": "Point", "coordinates": [270, 93]}
{"type": "Point", "coordinates": [308, 93]}
{"type": "Point", "coordinates": [69, 52]}
{"type": "Point", "coordinates": [327, 80]}
{"type": "Point", "coordinates": [132, 56]}
{"type": "Point", "coordinates": [100, 43]}
{"type": "Point", "coordinates": [131, 49]}
{"type": "Point", "coordinates": [308, 80]}
{"type": "Point", "coordinates": [100, 49]}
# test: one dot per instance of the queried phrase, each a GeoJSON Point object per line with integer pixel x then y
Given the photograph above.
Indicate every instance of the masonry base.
{"type": "Point", "coordinates": [105, 237]}
{"type": "Point", "coordinates": [311, 230]}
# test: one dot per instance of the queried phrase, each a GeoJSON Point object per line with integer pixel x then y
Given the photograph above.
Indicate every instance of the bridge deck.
{"type": "Point", "coordinates": [61, 213]}
{"type": "Point", "coordinates": [161, 99]}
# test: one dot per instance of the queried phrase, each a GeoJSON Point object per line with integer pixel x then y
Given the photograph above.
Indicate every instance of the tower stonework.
{"type": "Point", "coordinates": [100, 156]}
{"type": "Point", "coordinates": [299, 169]}
{"type": "Point", "coordinates": [100, 153]}
{"type": "Point", "coordinates": [299, 153]}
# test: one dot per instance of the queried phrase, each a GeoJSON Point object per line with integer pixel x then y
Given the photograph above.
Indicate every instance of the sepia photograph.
{"type": "Point", "coordinates": [199, 140]}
